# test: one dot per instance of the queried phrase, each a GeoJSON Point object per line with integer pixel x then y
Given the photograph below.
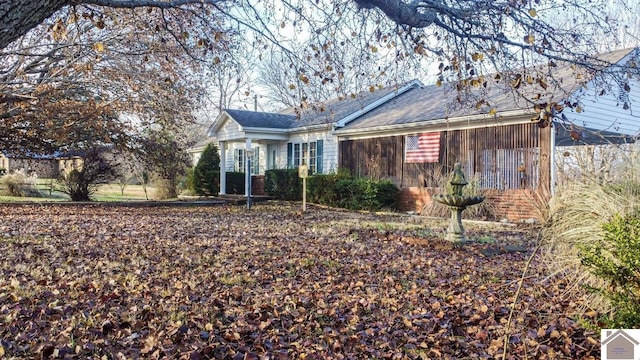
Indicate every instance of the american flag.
{"type": "Point", "coordinates": [422, 148]}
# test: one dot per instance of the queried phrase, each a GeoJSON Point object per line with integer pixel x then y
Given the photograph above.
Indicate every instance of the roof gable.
{"type": "Point", "coordinates": [620, 334]}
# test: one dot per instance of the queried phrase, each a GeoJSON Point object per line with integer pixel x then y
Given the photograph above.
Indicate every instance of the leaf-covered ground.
{"type": "Point", "coordinates": [202, 282]}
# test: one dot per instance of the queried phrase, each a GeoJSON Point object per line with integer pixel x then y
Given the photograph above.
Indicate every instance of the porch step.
{"type": "Point", "coordinates": [237, 199]}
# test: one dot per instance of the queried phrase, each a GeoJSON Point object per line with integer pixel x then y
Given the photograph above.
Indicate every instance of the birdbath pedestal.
{"type": "Point", "coordinates": [457, 203]}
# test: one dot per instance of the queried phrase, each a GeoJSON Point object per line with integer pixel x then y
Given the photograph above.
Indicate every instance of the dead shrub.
{"type": "Point", "coordinates": [539, 200]}
{"type": "Point", "coordinates": [19, 184]}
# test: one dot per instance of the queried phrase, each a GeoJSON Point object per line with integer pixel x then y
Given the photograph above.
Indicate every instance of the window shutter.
{"type": "Point", "coordinates": [319, 156]}
{"type": "Point", "coordinates": [289, 155]}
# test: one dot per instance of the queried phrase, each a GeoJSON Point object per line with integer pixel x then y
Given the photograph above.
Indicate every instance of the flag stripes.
{"type": "Point", "coordinates": [422, 148]}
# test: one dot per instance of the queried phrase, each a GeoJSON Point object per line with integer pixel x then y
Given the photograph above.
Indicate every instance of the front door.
{"type": "Point", "coordinates": [272, 151]}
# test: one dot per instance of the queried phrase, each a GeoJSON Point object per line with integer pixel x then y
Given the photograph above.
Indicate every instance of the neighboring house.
{"type": "Point", "coordinates": [42, 166]}
{"type": "Point", "coordinates": [413, 134]}
{"type": "Point", "coordinates": [196, 150]}
{"type": "Point", "coordinates": [46, 166]}
{"type": "Point", "coordinates": [69, 162]}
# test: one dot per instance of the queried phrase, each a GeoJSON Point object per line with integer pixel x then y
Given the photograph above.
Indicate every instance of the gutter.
{"type": "Point", "coordinates": [311, 127]}
{"type": "Point", "coordinates": [264, 130]}
{"type": "Point", "coordinates": [469, 121]}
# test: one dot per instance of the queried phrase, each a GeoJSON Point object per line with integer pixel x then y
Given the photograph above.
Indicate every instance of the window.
{"type": "Point", "coordinates": [296, 155]}
{"type": "Point", "coordinates": [255, 161]}
{"type": "Point", "coordinates": [238, 160]}
{"type": "Point", "coordinates": [307, 153]}
{"type": "Point", "coordinates": [312, 157]}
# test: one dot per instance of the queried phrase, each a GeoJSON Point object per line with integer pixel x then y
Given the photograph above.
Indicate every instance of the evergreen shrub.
{"type": "Point", "coordinates": [206, 178]}
{"type": "Point", "coordinates": [345, 191]}
{"type": "Point", "coordinates": [616, 260]}
{"type": "Point", "coordinates": [235, 182]}
{"type": "Point", "coordinates": [283, 184]}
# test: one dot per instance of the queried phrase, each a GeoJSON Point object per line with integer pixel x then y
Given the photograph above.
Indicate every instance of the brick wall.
{"type": "Point", "coordinates": [513, 205]}
{"type": "Point", "coordinates": [257, 184]}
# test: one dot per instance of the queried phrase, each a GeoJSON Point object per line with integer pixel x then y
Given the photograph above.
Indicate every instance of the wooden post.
{"type": "Point", "coordinates": [304, 194]}
{"type": "Point", "coordinates": [303, 173]}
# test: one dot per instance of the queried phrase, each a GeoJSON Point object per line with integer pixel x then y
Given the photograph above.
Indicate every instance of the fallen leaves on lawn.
{"type": "Point", "coordinates": [218, 282]}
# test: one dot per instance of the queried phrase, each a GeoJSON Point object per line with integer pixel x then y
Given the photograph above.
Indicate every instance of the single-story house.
{"type": "Point", "coordinates": [412, 134]}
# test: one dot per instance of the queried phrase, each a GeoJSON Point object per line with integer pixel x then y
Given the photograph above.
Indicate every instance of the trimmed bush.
{"type": "Point", "coordinates": [283, 184]}
{"type": "Point", "coordinates": [338, 190]}
{"type": "Point", "coordinates": [235, 182]}
{"type": "Point", "coordinates": [323, 189]}
{"type": "Point", "coordinates": [343, 190]}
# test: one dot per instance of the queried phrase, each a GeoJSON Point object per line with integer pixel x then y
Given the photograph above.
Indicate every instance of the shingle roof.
{"type": "Point", "coordinates": [421, 104]}
{"type": "Point", "coordinates": [319, 114]}
{"type": "Point", "coordinates": [336, 109]}
{"type": "Point", "coordinates": [262, 119]}
{"type": "Point", "coordinates": [201, 144]}
{"type": "Point", "coordinates": [441, 102]}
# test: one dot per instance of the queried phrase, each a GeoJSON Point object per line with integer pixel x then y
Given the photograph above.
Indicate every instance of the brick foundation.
{"type": "Point", "coordinates": [514, 205]}
{"type": "Point", "coordinates": [257, 184]}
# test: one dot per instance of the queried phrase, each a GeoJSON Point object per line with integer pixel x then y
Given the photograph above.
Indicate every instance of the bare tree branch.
{"type": "Point", "coordinates": [401, 12]}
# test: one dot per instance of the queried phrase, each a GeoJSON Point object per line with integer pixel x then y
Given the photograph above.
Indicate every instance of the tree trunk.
{"type": "Point", "coordinates": [18, 17]}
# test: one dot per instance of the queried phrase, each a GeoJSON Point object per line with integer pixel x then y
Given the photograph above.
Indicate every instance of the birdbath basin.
{"type": "Point", "coordinates": [457, 203]}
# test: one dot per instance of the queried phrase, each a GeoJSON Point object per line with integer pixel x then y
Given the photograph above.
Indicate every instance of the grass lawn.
{"type": "Point", "coordinates": [107, 192]}
{"type": "Point", "coordinates": [219, 282]}
{"type": "Point", "coordinates": [112, 192]}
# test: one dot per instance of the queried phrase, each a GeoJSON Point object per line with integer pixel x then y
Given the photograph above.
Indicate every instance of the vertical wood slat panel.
{"type": "Point", "coordinates": [494, 153]}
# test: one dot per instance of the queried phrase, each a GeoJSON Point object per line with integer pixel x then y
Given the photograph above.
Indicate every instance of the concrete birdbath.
{"type": "Point", "coordinates": [457, 202]}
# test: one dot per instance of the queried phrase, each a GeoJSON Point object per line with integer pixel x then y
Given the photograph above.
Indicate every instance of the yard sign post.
{"type": "Point", "coordinates": [249, 152]}
{"type": "Point", "coordinates": [303, 172]}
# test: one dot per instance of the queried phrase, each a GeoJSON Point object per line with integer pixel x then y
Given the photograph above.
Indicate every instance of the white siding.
{"type": "Point", "coordinates": [606, 112]}
{"type": "Point", "coordinates": [230, 130]}
{"type": "Point", "coordinates": [262, 156]}
{"type": "Point", "coordinates": [329, 148]}
{"type": "Point", "coordinates": [229, 161]}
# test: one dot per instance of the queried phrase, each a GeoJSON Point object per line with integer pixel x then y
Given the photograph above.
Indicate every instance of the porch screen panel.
{"type": "Point", "coordinates": [500, 157]}
{"type": "Point", "coordinates": [507, 156]}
